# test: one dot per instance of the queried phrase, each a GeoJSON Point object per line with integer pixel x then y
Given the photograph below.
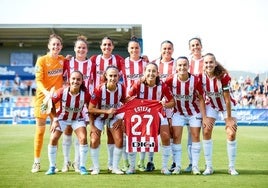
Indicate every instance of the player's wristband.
{"type": "Point", "coordinates": [55, 119]}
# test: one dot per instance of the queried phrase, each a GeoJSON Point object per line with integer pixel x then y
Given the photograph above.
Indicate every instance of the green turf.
{"type": "Point", "coordinates": [16, 157]}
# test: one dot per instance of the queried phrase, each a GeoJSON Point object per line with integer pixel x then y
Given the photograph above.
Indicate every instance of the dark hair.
{"type": "Point", "coordinates": [195, 38]}
{"type": "Point", "coordinates": [134, 39]}
{"type": "Point", "coordinates": [83, 86]}
{"type": "Point", "coordinates": [157, 79]}
{"type": "Point", "coordinates": [182, 57]}
{"type": "Point", "coordinates": [219, 70]}
{"type": "Point", "coordinates": [166, 41]}
{"type": "Point", "coordinates": [107, 68]}
{"type": "Point", "coordinates": [108, 38]}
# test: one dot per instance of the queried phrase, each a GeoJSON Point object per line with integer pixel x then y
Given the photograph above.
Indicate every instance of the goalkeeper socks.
{"type": "Point", "coordinates": [38, 140]}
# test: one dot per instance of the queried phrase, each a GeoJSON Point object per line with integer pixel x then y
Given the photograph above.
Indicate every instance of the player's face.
{"type": "Point", "coordinates": [112, 76]}
{"type": "Point", "coordinates": [107, 47]}
{"type": "Point", "coordinates": [167, 51]}
{"type": "Point", "coordinates": [81, 50]}
{"type": "Point", "coordinates": [195, 47]}
{"type": "Point", "coordinates": [209, 64]}
{"type": "Point", "coordinates": [134, 49]}
{"type": "Point", "coordinates": [76, 80]}
{"type": "Point", "coordinates": [54, 46]}
{"type": "Point", "coordinates": [182, 66]}
{"type": "Point", "coordinates": [151, 72]}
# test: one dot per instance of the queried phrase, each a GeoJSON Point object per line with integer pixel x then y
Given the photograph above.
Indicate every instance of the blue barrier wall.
{"type": "Point", "coordinates": [25, 116]}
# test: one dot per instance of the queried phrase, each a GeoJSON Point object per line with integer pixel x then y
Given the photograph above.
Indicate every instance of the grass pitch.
{"type": "Point", "coordinates": [16, 158]}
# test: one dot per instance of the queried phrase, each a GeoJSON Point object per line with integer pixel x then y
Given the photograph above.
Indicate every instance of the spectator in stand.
{"type": "Point", "coordinates": [17, 80]}
{"type": "Point", "coordinates": [33, 88]}
{"type": "Point", "coordinates": [256, 81]}
{"type": "Point", "coordinates": [259, 99]}
{"type": "Point", "coordinates": [248, 81]}
{"type": "Point", "coordinates": [48, 75]}
{"type": "Point", "coordinates": [216, 84]}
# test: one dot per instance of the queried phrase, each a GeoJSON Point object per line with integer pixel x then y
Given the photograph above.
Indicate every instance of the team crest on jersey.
{"type": "Point", "coordinates": [55, 95]}
{"type": "Point", "coordinates": [93, 96]}
{"type": "Point", "coordinates": [37, 68]}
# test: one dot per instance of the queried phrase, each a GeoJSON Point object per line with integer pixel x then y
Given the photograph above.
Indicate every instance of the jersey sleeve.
{"type": "Point", "coordinates": [39, 73]}
{"type": "Point", "coordinates": [198, 85]}
{"type": "Point", "coordinates": [57, 95]}
{"type": "Point", "coordinates": [226, 79]}
{"type": "Point", "coordinates": [66, 68]}
{"type": "Point", "coordinates": [167, 92]}
{"type": "Point", "coordinates": [133, 90]}
{"type": "Point", "coordinates": [95, 96]}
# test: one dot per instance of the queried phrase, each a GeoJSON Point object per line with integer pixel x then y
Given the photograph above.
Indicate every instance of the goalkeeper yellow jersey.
{"type": "Point", "coordinates": [48, 73]}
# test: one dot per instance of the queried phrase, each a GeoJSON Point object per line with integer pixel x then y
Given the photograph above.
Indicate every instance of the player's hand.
{"type": "Point", "coordinates": [231, 123]}
{"type": "Point", "coordinates": [111, 111]}
{"type": "Point", "coordinates": [55, 125]}
{"type": "Point", "coordinates": [208, 123]}
{"type": "Point", "coordinates": [117, 124]}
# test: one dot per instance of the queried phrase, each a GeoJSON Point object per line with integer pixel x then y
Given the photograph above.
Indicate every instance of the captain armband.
{"type": "Point", "coordinates": [226, 88]}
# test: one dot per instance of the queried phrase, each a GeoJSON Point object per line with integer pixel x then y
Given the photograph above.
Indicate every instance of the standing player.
{"type": "Point", "coordinates": [132, 71]}
{"type": "Point", "coordinates": [167, 67]}
{"type": "Point", "coordinates": [152, 88]}
{"type": "Point", "coordinates": [105, 100]}
{"type": "Point", "coordinates": [101, 62]}
{"type": "Point", "coordinates": [195, 68]}
{"type": "Point", "coordinates": [84, 65]}
{"type": "Point", "coordinates": [48, 74]}
{"type": "Point", "coordinates": [190, 105]}
{"type": "Point", "coordinates": [72, 100]}
{"type": "Point", "coordinates": [216, 84]}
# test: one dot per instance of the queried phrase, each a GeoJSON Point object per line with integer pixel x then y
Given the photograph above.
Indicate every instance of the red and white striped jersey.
{"type": "Point", "coordinates": [102, 98]}
{"type": "Point", "coordinates": [214, 88]}
{"type": "Point", "coordinates": [101, 65]}
{"type": "Point", "coordinates": [71, 106]}
{"type": "Point", "coordinates": [157, 92]}
{"type": "Point", "coordinates": [196, 66]}
{"type": "Point", "coordinates": [165, 69]}
{"type": "Point", "coordinates": [132, 71]}
{"type": "Point", "coordinates": [85, 67]}
{"type": "Point", "coordinates": [186, 94]}
{"type": "Point", "coordinates": [142, 121]}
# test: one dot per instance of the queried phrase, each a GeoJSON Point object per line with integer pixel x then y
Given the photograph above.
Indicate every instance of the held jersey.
{"type": "Point", "coordinates": [214, 89]}
{"type": "Point", "coordinates": [48, 74]}
{"type": "Point", "coordinates": [101, 65]}
{"type": "Point", "coordinates": [71, 105]}
{"type": "Point", "coordinates": [142, 120]}
{"type": "Point", "coordinates": [165, 69]}
{"type": "Point", "coordinates": [103, 98]}
{"type": "Point", "coordinates": [186, 94]}
{"type": "Point", "coordinates": [132, 71]}
{"type": "Point", "coordinates": [85, 67]}
{"type": "Point", "coordinates": [196, 66]}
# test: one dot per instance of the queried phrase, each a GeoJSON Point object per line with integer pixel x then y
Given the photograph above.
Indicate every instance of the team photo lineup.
{"type": "Point", "coordinates": [142, 105]}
